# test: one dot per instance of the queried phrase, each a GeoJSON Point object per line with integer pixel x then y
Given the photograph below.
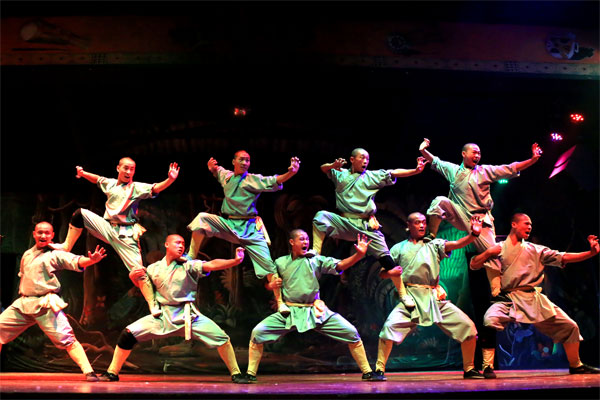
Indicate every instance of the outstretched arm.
{"type": "Point", "coordinates": [423, 149]}
{"type": "Point", "coordinates": [172, 175]}
{"type": "Point", "coordinates": [361, 247]}
{"type": "Point", "coordinates": [213, 166]}
{"type": "Point", "coordinates": [92, 258]}
{"type": "Point", "coordinates": [403, 173]}
{"type": "Point", "coordinates": [220, 263]}
{"type": "Point", "coordinates": [577, 257]}
{"type": "Point", "coordinates": [86, 175]}
{"type": "Point", "coordinates": [292, 170]}
{"type": "Point", "coordinates": [337, 165]}
{"type": "Point", "coordinates": [462, 242]}
{"type": "Point", "coordinates": [536, 153]}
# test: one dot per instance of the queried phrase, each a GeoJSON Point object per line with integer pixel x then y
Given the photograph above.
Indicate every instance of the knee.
{"type": "Point", "coordinates": [126, 340]}
{"type": "Point", "coordinates": [77, 219]}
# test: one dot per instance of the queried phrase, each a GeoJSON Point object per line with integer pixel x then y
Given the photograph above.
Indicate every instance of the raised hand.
{"type": "Point", "coordinates": [424, 144]}
{"type": "Point", "coordinates": [536, 151]}
{"type": "Point", "coordinates": [495, 250]}
{"type": "Point", "coordinates": [421, 162]}
{"type": "Point", "coordinates": [362, 245]}
{"type": "Point", "coordinates": [338, 163]}
{"type": "Point", "coordinates": [173, 171]}
{"type": "Point", "coordinates": [294, 165]}
{"type": "Point", "coordinates": [239, 254]}
{"type": "Point", "coordinates": [79, 172]}
{"type": "Point", "coordinates": [476, 225]}
{"type": "Point", "coordinates": [212, 165]}
{"type": "Point", "coordinates": [98, 254]}
{"type": "Point", "coordinates": [594, 246]}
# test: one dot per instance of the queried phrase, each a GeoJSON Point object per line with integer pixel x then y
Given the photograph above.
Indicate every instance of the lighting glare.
{"type": "Point", "coordinates": [556, 137]}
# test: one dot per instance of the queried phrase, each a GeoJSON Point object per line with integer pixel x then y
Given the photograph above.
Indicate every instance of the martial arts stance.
{"type": "Point", "coordinates": [176, 283]}
{"type": "Point", "coordinates": [470, 195]}
{"type": "Point", "coordinates": [355, 190]}
{"type": "Point", "coordinates": [298, 279]}
{"type": "Point", "coordinates": [40, 302]}
{"type": "Point", "coordinates": [522, 271]}
{"type": "Point", "coordinates": [120, 227]}
{"type": "Point", "coordinates": [421, 264]}
{"type": "Point", "coordinates": [239, 222]}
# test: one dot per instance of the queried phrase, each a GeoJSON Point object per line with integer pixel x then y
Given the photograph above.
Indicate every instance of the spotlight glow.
{"type": "Point", "coordinates": [556, 137]}
{"type": "Point", "coordinates": [503, 181]}
{"type": "Point", "coordinates": [577, 118]}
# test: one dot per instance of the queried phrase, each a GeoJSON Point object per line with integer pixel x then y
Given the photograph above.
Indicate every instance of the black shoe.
{"type": "Point", "coordinates": [380, 375]}
{"type": "Point", "coordinates": [239, 378]}
{"type": "Point", "coordinates": [251, 378]}
{"type": "Point", "coordinates": [91, 377]}
{"type": "Point", "coordinates": [584, 369]}
{"type": "Point", "coordinates": [109, 377]}
{"type": "Point", "coordinates": [473, 374]}
{"type": "Point", "coordinates": [373, 376]}
{"type": "Point", "coordinates": [488, 373]}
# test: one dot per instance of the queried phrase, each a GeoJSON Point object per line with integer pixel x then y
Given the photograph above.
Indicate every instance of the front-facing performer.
{"type": "Point", "coordinates": [355, 190]}
{"type": "Point", "coordinates": [523, 266]}
{"type": "Point", "coordinates": [239, 222]}
{"type": "Point", "coordinates": [40, 302]}
{"type": "Point", "coordinates": [421, 264]}
{"type": "Point", "coordinates": [119, 227]}
{"type": "Point", "coordinates": [176, 283]}
{"type": "Point", "coordinates": [470, 195]}
{"type": "Point", "coordinates": [299, 274]}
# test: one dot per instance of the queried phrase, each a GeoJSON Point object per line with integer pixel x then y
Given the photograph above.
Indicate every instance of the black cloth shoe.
{"type": "Point", "coordinates": [488, 373]}
{"type": "Point", "coordinates": [473, 374]}
{"type": "Point", "coordinates": [239, 378]}
{"type": "Point", "coordinates": [373, 377]}
{"type": "Point", "coordinates": [584, 369]}
{"type": "Point", "coordinates": [380, 375]}
{"type": "Point", "coordinates": [91, 377]}
{"type": "Point", "coordinates": [109, 377]}
{"type": "Point", "coordinates": [251, 378]}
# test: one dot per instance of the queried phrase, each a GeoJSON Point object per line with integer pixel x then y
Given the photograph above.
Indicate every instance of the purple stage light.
{"type": "Point", "coordinates": [556, 137]}
{"type": "Point", "coordinates": [562, 162]}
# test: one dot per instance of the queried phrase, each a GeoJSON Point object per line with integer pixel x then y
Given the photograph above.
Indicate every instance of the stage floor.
{"type": "Point", "coordinates": [523, 384]}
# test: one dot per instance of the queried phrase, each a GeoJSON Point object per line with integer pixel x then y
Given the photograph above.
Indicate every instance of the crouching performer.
{"type": "Point", "coordinates": [40, 302]}
{"type": "Point", "coordinates": [522, 272]}
{"type": "Point", "coordinates": [420, 262]}
{"type": "Point", "coordinates": [298, 278]}
{"type": "Point", "coordinates": [176, 283]}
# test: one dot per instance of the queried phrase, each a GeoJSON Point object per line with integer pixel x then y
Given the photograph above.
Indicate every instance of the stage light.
{"type": "Point", "coordinates": [556, 137]}
{"type": "Point", "coordinates": [239, 112]}
{"type": "Point", "coordinates": [562, 162]}
{"type": "Point", "coordinates": [575, 118]}
{"type": "Point", "coordinates": [503, 181]}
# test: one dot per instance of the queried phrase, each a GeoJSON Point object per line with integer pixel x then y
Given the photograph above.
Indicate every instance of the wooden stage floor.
{"type": "Point", "coordinates": [522, 384]}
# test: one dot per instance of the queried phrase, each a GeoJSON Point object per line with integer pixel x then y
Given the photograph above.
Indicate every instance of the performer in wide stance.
{"type": "Point", "coordinates": [299, 274]}
{"type": "Point", "coordinates": [421, 264]}
{"type": "Point", "coordinates": [40, 302]}
{"type": "Point", "coordinates": [523, 265]}
{"type": "Point", "coordinates": [119, 227]}
{"type": "Point", "coordinates": [176, 283]}
{"type": "Point", "coordinates": [355, 190]}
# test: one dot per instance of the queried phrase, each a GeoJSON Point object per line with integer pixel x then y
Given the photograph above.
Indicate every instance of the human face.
{"type": "Point", "coordinates": [43, 234]}
{"type": "Point", "coordinates": [417, 226]}
{"type": "Point", "coordinates": [175, 246]}
{"type": "Point", "coordinates": [471, 156]}
{"type": "Point", "coordinates": [522, 228]}
{"type": "Point", "coordinates": [300, 244]}
{"type": "Point", "coordinates": [126, 170]}
{"type": "Point", "coordinates": [241, 163]}
{"type": "Point", "coordinates": [360, 161]}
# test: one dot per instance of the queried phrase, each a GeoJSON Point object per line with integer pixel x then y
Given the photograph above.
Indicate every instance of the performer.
{"type": "Point", "coordinates": [120, 227]}
{"type": "Point", "coordinates": [421, 264]}
{"type": "Point", "coordinates": [239, 222]}
{"type": "Point", "coordinates": [470, 195]}
{"type": "Point", "coordinates": [176, 284]}
{"type": "Point", "coordinates": [40, 302]}
{"type": "Point", "coordinates": [355, 190]}
{"type": "Point", "coordinates": [523, 266]}
{"type": "Point", "coordinates": [298, 278]}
